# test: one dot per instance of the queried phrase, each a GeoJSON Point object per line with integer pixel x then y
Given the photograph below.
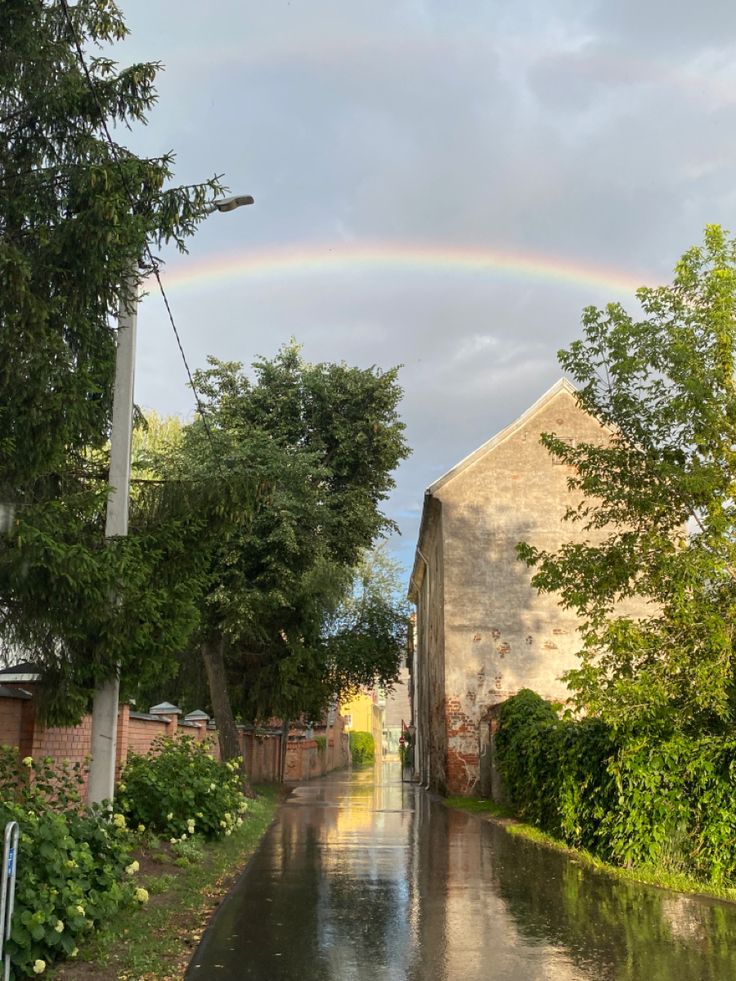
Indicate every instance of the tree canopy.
{"type": "Point", "coordinates": [77, 214]}
{"type": "Point", "coordinates": [318, 442]}
{"type": "Point", "coordinates": [658, 499]}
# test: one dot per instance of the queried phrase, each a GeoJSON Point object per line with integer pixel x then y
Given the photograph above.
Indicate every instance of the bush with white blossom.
{"type": "Point", "coordinates": [178, 790]}
{"type": "Point", "coordinates": [72, 861]}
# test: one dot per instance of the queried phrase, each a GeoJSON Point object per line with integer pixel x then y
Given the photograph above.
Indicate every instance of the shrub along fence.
{"type": "Point", "coordinates": [362, 748]}
{"type": "Point", "coordinates": [75, 861]}
{"type": "Point", "coordinates": [640, 800]}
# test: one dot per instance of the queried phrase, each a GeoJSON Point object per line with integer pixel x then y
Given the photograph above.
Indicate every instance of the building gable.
{"type": "Point", "coordinates": [524, 420]}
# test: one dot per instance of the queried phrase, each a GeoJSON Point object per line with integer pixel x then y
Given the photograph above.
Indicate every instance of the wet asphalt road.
{"type": "Point", "coordinates": [363, 878]}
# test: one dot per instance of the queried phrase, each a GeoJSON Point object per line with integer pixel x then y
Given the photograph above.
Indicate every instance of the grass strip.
{"type": "Point", "coordinates": [642, 875]}
{"type": "Point", "coordinates": [155, 942]}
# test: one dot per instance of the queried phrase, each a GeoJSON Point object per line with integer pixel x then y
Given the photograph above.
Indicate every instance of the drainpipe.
{"type": "Point", "coordinates": [420, 764]}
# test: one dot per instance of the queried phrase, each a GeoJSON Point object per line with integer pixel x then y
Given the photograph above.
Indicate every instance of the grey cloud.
{"type": "Point", "coordinates": [587, 131]}
{"type": "Point", "coordinates": [673, 26]}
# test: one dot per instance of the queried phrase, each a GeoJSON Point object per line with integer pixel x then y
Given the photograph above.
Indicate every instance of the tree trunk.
{"type": "Point", "coordinates": [213, 655]}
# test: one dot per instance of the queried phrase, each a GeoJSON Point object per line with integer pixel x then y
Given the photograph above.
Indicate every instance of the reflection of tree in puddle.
{"type": "Point", "coordinates": [613, 930]}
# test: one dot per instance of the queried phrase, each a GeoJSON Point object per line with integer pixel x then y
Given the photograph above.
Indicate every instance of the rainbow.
{"type": "Point", "coordinates": [706, 82]}
{"type": "Point", "coordinates": [351, 260]}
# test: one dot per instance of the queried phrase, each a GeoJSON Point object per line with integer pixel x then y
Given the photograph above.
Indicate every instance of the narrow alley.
{"type": "Point", "coordinates": [365, 878]}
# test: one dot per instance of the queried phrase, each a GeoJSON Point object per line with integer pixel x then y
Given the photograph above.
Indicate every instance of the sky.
{"type": "Point", "coordinates": [443, 186]}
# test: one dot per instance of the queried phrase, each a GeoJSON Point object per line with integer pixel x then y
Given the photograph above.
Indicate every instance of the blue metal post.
{"type": "Point", "coordinates": [7, 890]}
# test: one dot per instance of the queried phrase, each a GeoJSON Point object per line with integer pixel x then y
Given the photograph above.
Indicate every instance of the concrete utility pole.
{"type": "Point", "coordinates": [105, 703]}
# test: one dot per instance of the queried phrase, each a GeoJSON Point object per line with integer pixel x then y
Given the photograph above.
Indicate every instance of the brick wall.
{"type": "Point", "coordinates": [142, 733]}
{"type": "Point", "coordinates": [137, 733]}
{"type": "Point", "coordinates": [305, 760]}
{"type": "Point", "coordinates": [62, 743]}
{"type": "Point", "coordinates": [262, 754]}
{"type": "Point", "coordinates": [11, 716]}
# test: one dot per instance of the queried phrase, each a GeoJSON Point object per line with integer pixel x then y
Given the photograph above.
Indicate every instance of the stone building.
{"type": "Point", "coordinates": [397, 715]}
{"type": "Point", "coordinates": [482, 631]}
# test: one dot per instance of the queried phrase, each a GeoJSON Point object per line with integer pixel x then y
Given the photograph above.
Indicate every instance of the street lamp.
{"type": "Point", "coordinates": [231, 203]}
{"type": "Point", "coordinates": [105, 704]}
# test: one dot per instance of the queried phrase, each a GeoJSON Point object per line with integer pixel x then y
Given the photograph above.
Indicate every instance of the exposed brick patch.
{"type": "Point", "coordinates": [462, 772]}
{"type": "Point", "coordinates": [463, 766]}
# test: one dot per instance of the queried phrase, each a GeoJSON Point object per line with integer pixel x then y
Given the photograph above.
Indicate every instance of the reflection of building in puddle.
{"type": "Point", "coordinates": [369, 834]}
{"type": "Point", "coordinates": [462, 923]}
{"type": "Point", "coordinates": [362, 908]}
{"type": "Point", "coordinates": [688, 919]}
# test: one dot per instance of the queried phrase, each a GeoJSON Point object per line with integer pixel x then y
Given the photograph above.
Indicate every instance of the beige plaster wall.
{"type": "Point", "coordinates": [499, 634]}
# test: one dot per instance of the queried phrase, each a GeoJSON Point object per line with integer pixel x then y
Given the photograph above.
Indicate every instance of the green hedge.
{"type": "Point", "coordinates": [666, 802]}
{"type": "Point", "coordinates": [362, 748]}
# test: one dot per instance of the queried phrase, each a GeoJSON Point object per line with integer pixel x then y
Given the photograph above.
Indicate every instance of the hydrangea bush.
{"type": "Point", "coordinates": [73, 866]}
{"type": "Point", "coordinates": [178, 789]}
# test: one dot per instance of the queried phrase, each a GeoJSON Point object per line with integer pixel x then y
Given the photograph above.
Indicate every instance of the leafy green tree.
{"type": "Point", "coordinates": [364, 642]}
{"type": "Point", "coordinates": [658, 499]}
{"type": "Point", "coordinates": [76, 216]}
{"type": "Point", "coordinates": [320, 442]}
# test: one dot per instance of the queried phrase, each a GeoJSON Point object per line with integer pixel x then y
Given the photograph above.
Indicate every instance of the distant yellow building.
{"type": "Point", "coordinates": [364, 713]}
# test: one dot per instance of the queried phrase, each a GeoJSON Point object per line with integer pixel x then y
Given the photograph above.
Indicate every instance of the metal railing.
{"type": "Point", "coordinates": [7, 890]}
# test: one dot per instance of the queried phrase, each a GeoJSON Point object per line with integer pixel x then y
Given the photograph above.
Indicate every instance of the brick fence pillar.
{"type": "Point", "coordinates": [27, 728]}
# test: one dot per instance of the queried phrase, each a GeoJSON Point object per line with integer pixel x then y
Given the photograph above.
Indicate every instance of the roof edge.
{"type": "Point", "coordinates": [419, 568]}
{"type": "Point", "coordinates": [562, 385]}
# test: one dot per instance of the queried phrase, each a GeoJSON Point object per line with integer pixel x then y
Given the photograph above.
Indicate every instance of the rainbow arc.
{"type": "Point", "coordinates": [391, 258]}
